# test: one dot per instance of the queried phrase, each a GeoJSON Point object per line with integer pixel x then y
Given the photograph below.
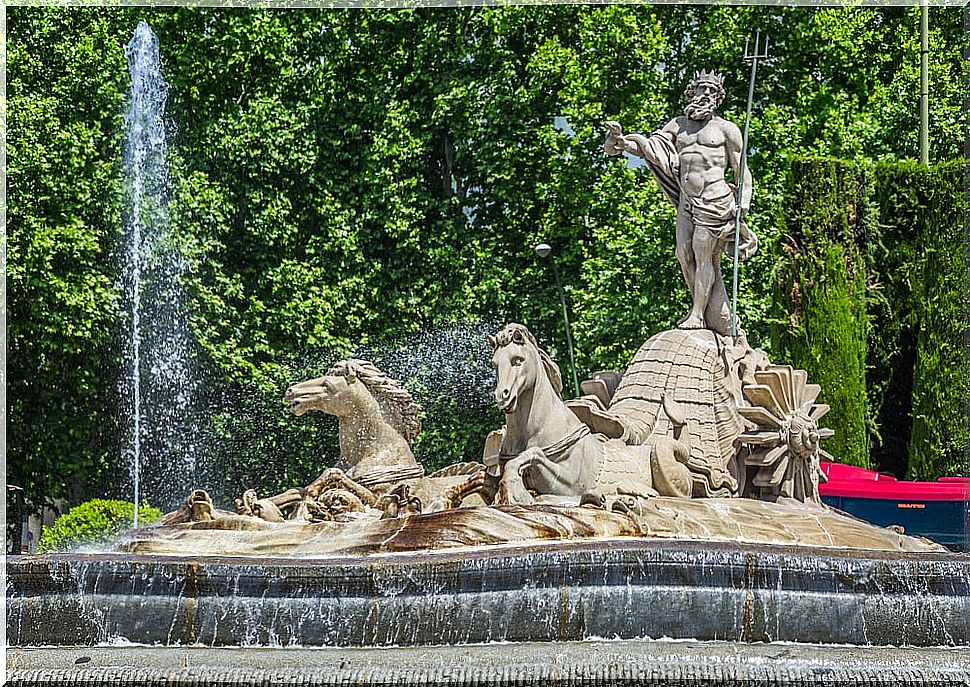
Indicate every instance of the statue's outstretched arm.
{"type": "Point", "coordinates": [636, 144]}
{"type": "Point", "coordinates": [616, 142]}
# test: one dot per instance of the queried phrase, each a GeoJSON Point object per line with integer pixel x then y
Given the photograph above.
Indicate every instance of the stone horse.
{"type": "Point", "coordinates": [377, 472]}
{"type": "Point", "coordinates": [377, 418]}
{"type": "Point", "coordinates": [548, 451]}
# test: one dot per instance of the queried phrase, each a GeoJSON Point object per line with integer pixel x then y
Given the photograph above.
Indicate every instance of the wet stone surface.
{"type": "Point", "coordinates": [616, 662]}
{"type": "Point", "coordinates": [624, 588]}
{"type": "Point", "coordinates": [744, 521]}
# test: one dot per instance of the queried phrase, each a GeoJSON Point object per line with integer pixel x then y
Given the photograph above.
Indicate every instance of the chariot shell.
{"type": "Point", "coordinates": [684, 383]}
{"type": "Point", "coordinates": [735, 412]}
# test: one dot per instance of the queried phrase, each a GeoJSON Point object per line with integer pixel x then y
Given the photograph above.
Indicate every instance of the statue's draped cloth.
{"type": "Point", "coordinates": [716, 215]}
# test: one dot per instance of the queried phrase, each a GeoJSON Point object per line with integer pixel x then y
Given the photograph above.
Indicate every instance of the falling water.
{"type": "Point", "coordinates": [158, 386]}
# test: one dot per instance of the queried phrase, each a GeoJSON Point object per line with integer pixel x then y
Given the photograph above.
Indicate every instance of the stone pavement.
{"type": "Point", "coordinates": [594, 662]}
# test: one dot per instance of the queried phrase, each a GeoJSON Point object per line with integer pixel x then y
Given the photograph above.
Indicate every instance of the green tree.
{"type": "Point", "coordinates": [822, 295]}
{"type": "Point", "coordinates": [65, 90]}
{"type": "Point", "coordinates": [939, 442]}
{"type": "Point", "coordinates": [346, 180]}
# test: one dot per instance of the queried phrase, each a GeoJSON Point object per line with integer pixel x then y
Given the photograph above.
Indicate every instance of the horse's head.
{"type": "Point", "coordinates": [332, 394]}
{"type": "Point", "coordinates": [517, 360]}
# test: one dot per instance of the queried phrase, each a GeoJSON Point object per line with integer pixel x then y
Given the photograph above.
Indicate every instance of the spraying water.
{"type": "Point", "coordinates": [158, 386]}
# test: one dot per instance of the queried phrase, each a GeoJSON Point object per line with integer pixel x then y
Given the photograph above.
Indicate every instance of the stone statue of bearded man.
{"type": "Point", "coordinates": [689, 157]}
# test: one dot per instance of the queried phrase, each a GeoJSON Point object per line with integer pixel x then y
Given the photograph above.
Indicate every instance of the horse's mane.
{"type": "Point", "coordinates": [507, 335]}
{"type": "Point", "coordinates": [396, 403]}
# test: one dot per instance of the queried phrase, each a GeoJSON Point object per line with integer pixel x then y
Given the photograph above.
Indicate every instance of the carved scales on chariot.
{"type": "Point", "coordinates": [751, 428]}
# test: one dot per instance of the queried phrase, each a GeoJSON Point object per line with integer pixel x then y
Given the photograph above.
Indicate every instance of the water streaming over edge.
{"type": "Point", "coordinates": [521, 594]}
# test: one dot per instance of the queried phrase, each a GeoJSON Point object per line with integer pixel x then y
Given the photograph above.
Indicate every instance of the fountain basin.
{"type": "Point", "coordinates": [541, 592]}
{"type": "Point", "coordinates": [729, 521]}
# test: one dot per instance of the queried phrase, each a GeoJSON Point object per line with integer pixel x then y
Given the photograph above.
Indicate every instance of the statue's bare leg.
{"type": "Point", "coordinates": [718, 313]}
{"type": "Point", "coordinates": [704, 246]}
{"type": "Point", "coordinates": [685, 250]}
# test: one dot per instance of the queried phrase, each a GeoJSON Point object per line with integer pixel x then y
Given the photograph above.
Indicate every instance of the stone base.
{"type": "Point", "coordinates": [736, 520]}
{"type": "Point", "coordinates": [618, 588]}
{"type": "Point", "coordinates": [617, 662]}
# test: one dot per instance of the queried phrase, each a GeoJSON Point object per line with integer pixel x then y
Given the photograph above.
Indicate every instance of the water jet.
{"type": "Point", "coordinates": [158, 386]}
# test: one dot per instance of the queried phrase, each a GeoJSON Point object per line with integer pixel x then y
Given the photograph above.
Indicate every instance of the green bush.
{"type": "Point", "coordinates": [92, 523]}
{"type": "Point", "coordinates": [917, 353]}
{"type": "Point", "coordinates": [822, 295]}
{"type": "Point", "coordinates": [938, 445]}
{"type": "Point", "coordinates": [872, 296]}
{"type": "Point", "coordinates": [895, 265]}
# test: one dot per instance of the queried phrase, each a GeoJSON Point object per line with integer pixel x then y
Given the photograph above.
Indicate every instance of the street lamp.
{"type": "Point", "coordinates": [544, 250]}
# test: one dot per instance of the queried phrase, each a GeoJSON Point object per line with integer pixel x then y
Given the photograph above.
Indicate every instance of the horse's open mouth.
{"type": "Point", "coordinates": [509, 406]}
{"type": "Point", "coordinates": [300, 401]}
{"type": "Point", "coordinates": [298, 406]}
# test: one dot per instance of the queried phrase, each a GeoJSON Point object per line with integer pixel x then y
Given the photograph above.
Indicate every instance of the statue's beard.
{"type": "Point", "coordinates": [700, 108]}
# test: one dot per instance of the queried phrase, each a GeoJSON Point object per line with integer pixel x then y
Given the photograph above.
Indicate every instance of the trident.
{"type": "Point", "coordinates": [759, 53]}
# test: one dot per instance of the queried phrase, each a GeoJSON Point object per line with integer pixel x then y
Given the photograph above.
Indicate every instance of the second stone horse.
{"type": "Point", "coordinates": [547, 450]}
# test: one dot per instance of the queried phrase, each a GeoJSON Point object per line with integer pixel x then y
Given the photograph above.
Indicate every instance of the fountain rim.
{"type": "Point", "coordinates": [507, 550]}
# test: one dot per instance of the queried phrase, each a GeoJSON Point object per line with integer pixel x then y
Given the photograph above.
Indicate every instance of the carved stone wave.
{"type": "Point", "coordinates": [713, 520]}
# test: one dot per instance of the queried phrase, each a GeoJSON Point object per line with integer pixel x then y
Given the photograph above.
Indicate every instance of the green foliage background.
{"type": "Point", "coordinates": [349, 180]}
{"type": "Point", "coordinates": [872, 303]}
{"type": "Point", "coordinates": [822, 285]}
{"type": "Point", "coordinates": [930, 303]}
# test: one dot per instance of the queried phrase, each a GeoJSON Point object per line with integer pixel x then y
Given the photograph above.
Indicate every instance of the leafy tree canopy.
{"type": "Point", "coordinates": [346, 177]}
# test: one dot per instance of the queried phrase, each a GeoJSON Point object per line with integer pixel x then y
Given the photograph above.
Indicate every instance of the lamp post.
{"type": "Point", "coordinates": [924, 80]}
{"type": "Point", "coordinates": [544, 250]}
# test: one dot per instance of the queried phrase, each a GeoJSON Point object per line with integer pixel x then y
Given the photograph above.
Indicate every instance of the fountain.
{"type": "Point", "coordinates": [158, 387]}
{"type": "Point", "coordinates": [666, 525]}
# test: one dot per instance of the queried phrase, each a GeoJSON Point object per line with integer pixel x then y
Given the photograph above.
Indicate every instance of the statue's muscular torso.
{"type": "Point", "coordinates": [702, 148]}
{"type": "Point", "coordinates": [706, 203]}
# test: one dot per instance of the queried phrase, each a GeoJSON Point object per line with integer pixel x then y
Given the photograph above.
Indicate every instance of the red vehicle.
{"type": "Point", "coordinates": [936, 510]}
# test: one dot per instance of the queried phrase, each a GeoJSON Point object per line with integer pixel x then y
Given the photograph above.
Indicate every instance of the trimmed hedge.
{"type": "Point", "coordinates": [93, 523]}
{"type": "Point", "coordinates": [872, 302]}
{"type": "Point", "coordinates": [894, 263]}
{"type": "Point", "coordinates": [822, 294]}
{"type": "Point", "coordinates": [938, 445]}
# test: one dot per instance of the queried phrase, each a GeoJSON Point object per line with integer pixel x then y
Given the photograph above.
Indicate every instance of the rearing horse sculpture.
{"type": "Point", "coordinates": [547, 450]}
{"type": "Point", "coordinates": [378, 419]}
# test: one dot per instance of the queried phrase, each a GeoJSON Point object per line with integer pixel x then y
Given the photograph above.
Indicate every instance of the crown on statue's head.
{"type": "Point", "coordinates": [714, 77]}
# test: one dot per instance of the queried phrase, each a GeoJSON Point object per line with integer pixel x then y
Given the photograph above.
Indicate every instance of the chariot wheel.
{"type": "Point", "coordinates": [783, 449]}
